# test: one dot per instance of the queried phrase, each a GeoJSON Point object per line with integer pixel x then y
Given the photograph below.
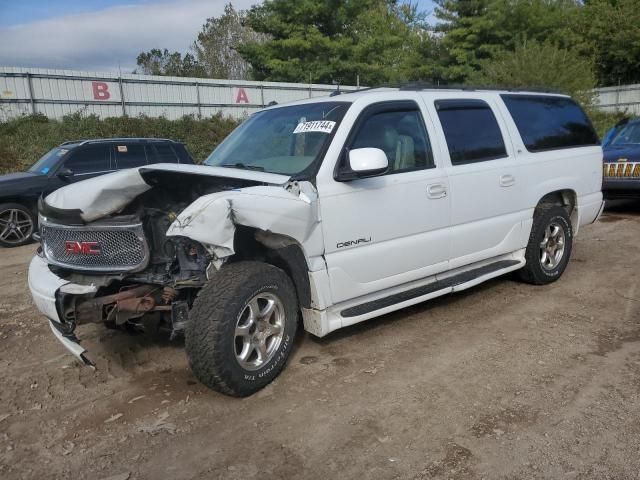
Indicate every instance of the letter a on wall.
{"type": "Point", "coordinates": [241, 96]}
{"type": "Point", "coordinates": [100, 91]}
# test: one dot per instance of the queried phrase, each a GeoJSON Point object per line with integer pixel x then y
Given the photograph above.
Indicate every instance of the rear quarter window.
{"type": "Point", "coordinates": [549, 123]}
{"type": "Point", "coordinates": [163, 153]}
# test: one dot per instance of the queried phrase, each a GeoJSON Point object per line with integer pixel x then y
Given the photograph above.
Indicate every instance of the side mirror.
{"type": "Point", "coordinates": [365, 162]}
{"type": "Point", "coordinates": [65, 173]}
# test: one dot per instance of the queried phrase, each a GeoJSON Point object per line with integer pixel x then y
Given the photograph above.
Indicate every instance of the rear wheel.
{"type": "Point", "coordinates": [17, 224]}
{"type": "Point", "coordinates": [549, 247]}
{"type": "Point", "coordinates": [242, 327]}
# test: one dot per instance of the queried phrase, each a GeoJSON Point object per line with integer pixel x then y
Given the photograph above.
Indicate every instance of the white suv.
{"type": "Point", "coordinates": [335, 209]}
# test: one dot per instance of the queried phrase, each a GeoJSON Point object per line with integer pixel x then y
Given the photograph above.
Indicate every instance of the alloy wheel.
{"type": "Point", "coordinates": [259, 331]}
{"type": "Point", "coordinates": [16, 226]}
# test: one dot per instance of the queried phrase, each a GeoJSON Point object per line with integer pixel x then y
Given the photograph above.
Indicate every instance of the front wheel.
{"type": "Point", "coordinates": [242, 327]}
{"type": "Point", "coordinates": [549, 247]}
{"type": "Point", "coordinates": [17, 224]}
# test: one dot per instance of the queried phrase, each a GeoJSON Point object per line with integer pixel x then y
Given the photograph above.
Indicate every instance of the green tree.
{"type": "Point", "coordinates": [533, 65]}
{"type": "Point", "coordinates": [217, 44]}
{"type": "Point", "coordinates": [163, 62]}
{"type": "Point", "coordinates": [335, 40]}
{"type": "Point", "coordinates": [476, 30]}
{"type": "Point", "coordinates": [611, 32]}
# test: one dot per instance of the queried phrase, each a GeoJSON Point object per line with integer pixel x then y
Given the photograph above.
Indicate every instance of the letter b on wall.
{"type": "Point", "coordinates": [100, 91]}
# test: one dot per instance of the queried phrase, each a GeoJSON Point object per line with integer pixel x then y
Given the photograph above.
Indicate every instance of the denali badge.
{"type": "Point", "coordinates": [82, 248]}
{"type": "Point", "coordinates": [350, 243]}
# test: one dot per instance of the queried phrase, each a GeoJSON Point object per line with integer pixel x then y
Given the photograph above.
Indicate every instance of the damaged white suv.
{"type": "Point", "coordinates": [335, 210]}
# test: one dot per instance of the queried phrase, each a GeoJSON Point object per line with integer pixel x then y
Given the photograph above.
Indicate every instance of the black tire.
{"type": "Point", "coordinates": [211, 340]}
{"type": "Point", "coordinates": [16, 215]}
{"type": "Point", "coordinates": [546, 215]}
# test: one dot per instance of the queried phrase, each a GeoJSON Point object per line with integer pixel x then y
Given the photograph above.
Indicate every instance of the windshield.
{"type": "Point", "coordinates": [48, 161]}
{"type": "Point", "coordinates": [629, 134]}
{"type": "Point", "coordinates": [284, 140]}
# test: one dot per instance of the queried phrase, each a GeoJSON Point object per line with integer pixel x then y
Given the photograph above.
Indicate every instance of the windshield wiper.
{"type": "Point", "coordinates": [242, 166]}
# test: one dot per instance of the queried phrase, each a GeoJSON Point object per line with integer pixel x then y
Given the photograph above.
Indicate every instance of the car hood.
{"type": "Point", "coordinates": [101, 196]}
{"type": "Point", "coordinates": [614, 153]}
{"type": "Point", "coordinates": [16, 183]}
{"type": "Point", "coordinates": [283, 210]}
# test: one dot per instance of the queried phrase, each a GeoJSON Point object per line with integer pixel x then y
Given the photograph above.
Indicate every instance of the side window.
{"type": "Point", "coordinates": [401, 135]}
{"type": "Point", "coordinates": [547, 122]}
{"type": "Point", "coordinates": [163, 153]}
{"type": "Point", "coordinates": [90, 159]}
{"type": "Point", "coordinates": [471, 131]}
{"type": "Point", "coordinates": [130, 155]}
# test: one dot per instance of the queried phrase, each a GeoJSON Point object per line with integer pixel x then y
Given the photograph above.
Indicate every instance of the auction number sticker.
{"type": "Point", "coordinates": [322, 126]}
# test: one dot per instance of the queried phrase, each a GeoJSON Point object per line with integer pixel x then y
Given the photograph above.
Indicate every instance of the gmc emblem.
{"type": "Point", "coordinates": [82, 248]}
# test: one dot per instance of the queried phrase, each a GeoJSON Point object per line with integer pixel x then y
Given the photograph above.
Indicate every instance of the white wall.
{"type": "Point", "coordinates": [55, 93]}
{"type": "Point", "coordinates": [624, 97]}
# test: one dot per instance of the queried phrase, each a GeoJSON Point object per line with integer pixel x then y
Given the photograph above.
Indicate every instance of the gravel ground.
{"type": "Point", "coordinates": [505, 380]}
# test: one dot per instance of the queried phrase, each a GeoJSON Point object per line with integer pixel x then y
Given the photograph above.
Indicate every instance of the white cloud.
{"type": "Point", "coordinates": [99, 40]}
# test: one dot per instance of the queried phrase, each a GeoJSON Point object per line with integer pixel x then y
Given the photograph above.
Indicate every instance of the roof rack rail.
{"type": "Point", "coordinates": [85, 141]}
{"type": "Point", "coordinates": [429, 86]}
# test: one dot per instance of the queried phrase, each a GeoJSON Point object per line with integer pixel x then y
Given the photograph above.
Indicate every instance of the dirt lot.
{"type": "Point", "coordinates": [503, 381]}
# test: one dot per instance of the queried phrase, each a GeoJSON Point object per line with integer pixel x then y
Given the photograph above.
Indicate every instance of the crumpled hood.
{"type": "Point", "coordinates": [101, 196]}
{"type": "Point", "coordinates": [290, 212]}
{"type": "Point", "coordinates": [613, 153]}
{"type": "Point", "coordinates": [284, 211]}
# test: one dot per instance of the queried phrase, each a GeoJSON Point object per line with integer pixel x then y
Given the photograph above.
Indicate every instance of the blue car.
{"type": "Point", "coordinates": [621, 146]}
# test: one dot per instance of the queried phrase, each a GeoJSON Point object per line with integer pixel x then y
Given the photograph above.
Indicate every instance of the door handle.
{"type": "Point", "coordinates": [437, 190]}
{"type": "Point", "coordinates": [507, 180]}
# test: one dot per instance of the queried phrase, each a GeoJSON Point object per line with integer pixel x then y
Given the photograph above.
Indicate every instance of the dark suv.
{"type": "Point", "coordinates": [68, 163]}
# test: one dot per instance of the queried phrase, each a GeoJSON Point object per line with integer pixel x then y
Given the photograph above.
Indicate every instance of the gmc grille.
{"type": "Point", "coordinates": [114, 247]}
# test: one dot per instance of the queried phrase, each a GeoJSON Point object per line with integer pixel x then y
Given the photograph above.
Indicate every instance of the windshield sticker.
{"type": "Point", "coordinates": [61, 152]}
{"type": "Point", "coordinates": [45, 170]}
{"type": "Point", "coordinates": [122, 148]}
{"type": "Point", "coordinates": [322, 126]}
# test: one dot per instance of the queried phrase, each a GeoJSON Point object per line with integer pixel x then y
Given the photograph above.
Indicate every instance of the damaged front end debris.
{"type": "Point", "coordinates": [147, 259]}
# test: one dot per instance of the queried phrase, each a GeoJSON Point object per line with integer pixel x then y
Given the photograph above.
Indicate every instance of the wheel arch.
{"type": "Point", "coordinates": [28, 202]}
{"type": "Point", "coordinates": [566, 198]}
{"type": "Point", "coordinates": [278, 250]}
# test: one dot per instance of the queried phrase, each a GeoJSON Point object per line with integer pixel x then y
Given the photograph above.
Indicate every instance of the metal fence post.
{"type": "Point", "coordinates": [31, 98]}
{"type": "Point", "coordinates": [124, 109]}
{"type": "Point", "coordinates": [262, 94]}
{"type": "Point", "coordinates": [198, 99]}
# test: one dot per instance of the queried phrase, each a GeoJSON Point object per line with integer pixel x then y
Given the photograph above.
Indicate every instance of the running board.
{"type": "Point", "coordinates": [443, 284]}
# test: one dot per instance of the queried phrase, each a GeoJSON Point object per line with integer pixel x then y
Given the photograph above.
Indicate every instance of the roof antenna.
{"type": "Point", "coordinates": [337, 90]}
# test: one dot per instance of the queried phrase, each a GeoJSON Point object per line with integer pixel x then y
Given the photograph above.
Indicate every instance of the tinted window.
{"type": "Point", "coordinates": [629, 134]}
{"type": "Point", "coordinates": [547, 122]}
{"type": "Point", "coordinates": [401, 135]}
{"type": "Point", "coordinates": [91, 159]}
{"type": "Point", "coordinates": [163, 153]}
{"type": "Point", "coordinates": [130, 156]}
{"type": "Point", "coordinates": [471, 130]}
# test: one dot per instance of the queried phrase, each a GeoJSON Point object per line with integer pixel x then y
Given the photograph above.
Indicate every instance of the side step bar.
{"type": "Point", "coordinates": [445, 283]}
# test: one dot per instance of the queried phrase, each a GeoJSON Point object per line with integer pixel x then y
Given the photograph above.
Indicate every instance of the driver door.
{"type": "Point", "coordinates": [386, 230]}
{"type": "Point", "coordinates": [89, 161]}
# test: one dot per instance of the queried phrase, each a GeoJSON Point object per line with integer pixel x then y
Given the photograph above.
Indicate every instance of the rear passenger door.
{"type": "Point", "coordinates": [484, 179]}
{"type": "Point", "coordinates": [131, 155]}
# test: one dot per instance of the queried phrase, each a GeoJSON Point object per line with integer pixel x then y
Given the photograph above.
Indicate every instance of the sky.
{"type": "Point", "coordinates": [102, 35]}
